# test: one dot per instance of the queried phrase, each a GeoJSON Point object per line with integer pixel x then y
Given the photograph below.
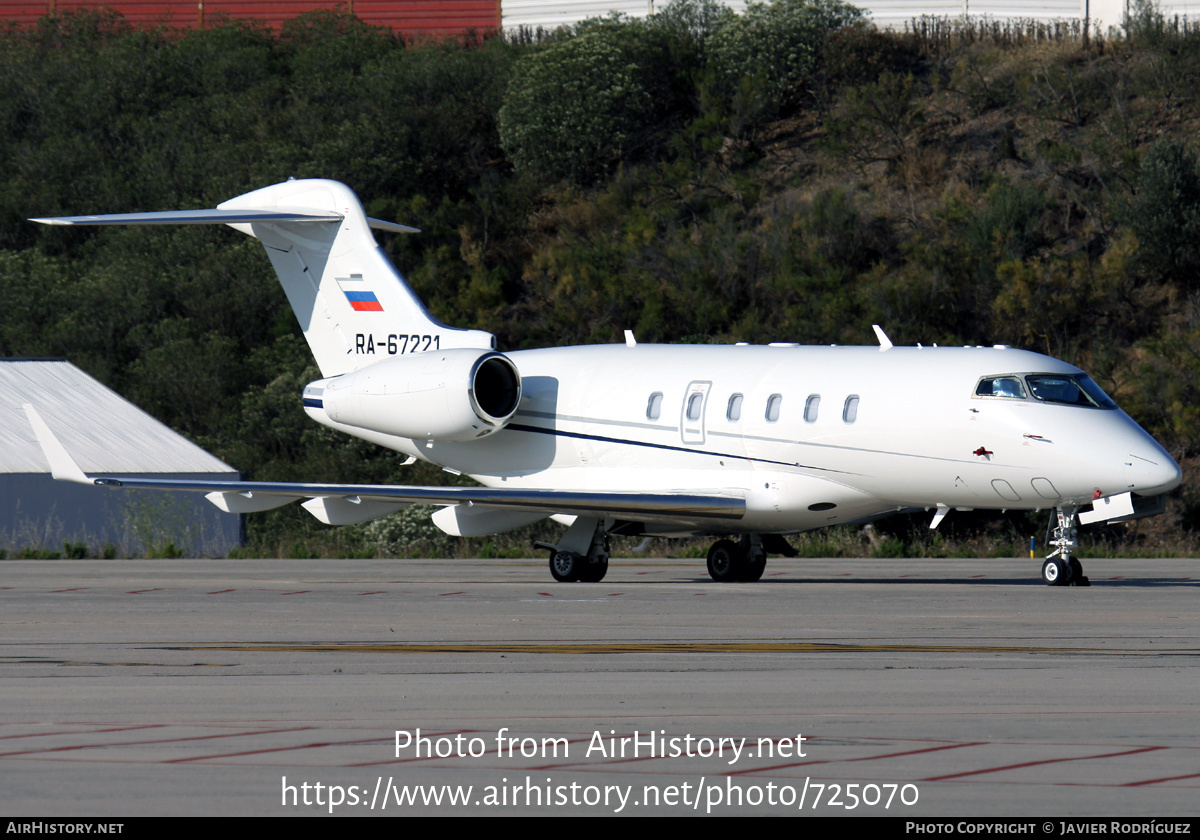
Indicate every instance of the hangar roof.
{"type": "Point", "coordinates": [103, 432]}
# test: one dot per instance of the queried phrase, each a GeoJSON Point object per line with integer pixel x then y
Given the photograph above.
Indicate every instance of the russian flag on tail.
{"type": "Point", "coordinates": [364, 301]}
{"type": "Point", "coordinates": [361, 299]}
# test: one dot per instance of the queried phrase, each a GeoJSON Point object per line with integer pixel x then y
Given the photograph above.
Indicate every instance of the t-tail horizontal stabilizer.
{"type": "Point", "coordinates": [354, 307]}
{"type": "Point", "coordinates": [216, 217]}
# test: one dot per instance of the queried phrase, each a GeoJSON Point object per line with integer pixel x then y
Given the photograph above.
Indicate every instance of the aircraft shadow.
{"type": "Point", "coordinates": [1128, 583]}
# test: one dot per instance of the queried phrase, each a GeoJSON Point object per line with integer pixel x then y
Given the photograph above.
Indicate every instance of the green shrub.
{"type": "Point", "coordinates": [691, 20]}
{"type": "Point", "coordinates": [1010, 224]}
{"type": "Point", "coordinates": [1165, 214]}
{"type": "Point", "coordinates": [571, 109]}
{"type": "Point", "coordinates": [410, 533]}
{"type": "Point", "coordinates": [761, 61]}
{"type": "Point", "coordinates": [859, 53]}
{"type": "Point", "coordinates": [879, 121]}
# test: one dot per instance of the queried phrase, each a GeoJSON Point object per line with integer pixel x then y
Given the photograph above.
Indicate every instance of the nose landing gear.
{"type": "Point", "coordinates": [1060, 568]}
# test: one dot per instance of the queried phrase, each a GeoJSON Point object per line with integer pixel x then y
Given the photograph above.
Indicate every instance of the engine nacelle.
{"type": "Point", "coordinates": [445, 395]}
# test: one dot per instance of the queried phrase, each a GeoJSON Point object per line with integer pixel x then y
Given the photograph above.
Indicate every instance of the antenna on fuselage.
{"type": "Point", "coordinates": [885, 343]}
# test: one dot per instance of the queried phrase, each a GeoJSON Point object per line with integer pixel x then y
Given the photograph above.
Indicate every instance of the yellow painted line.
{"type": "Point", "coordinates": [666, 647]}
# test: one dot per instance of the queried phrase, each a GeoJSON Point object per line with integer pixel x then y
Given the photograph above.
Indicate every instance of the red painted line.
{"type": "Point", "coordinates": [976, 577]}
{"type": "Point", "coordinates": [142, 591]}
{"type": "Point", "coordinates": [394, 761]}
{"type": "Point", "coordinates": [377, 592]}
{"type": "Point", "coordinates": [1164, 779]}
{"type": "Point", "coordinates": [860, 758]}
{"type": "Point", "coordinates": [297, 592]}
{"type": "Point", "coordinates": [313, 745]}
{"type": "Point", "coordinates": [1036, 763]}
{"type": "Point", "coordinates": [615, 594]}
{"type": "Point", "coordinates": [631, 759]}
{"type": "Point", "coordinates": [547, 594]}
{"type": "Point", "coordinates": [74, 589]}
{"type": "Point", "coordinates": [641, 573]}
{"type": "Point", "coordinates": [444, 594]}
{"type": "Point", "coordinates": [563, 765]}
{"type": "Point", "coordinates": [75, 732]}
{"type": "Point", "coordinates": [222, 591]}
{"type": "Point", "coordinates": [106, 745]}
{"type": "Point", "coordinates": [435, 757]}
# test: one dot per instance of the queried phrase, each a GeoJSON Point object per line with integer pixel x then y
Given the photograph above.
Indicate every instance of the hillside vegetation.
{"type": "Point", "coordinates": [791, 174]}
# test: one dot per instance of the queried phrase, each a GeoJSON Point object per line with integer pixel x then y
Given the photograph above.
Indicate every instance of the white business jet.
{"type": "Point", "coordinates": [746, 443]}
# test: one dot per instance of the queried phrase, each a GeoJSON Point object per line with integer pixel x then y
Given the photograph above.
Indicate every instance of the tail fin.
{"type": "Point", "coordinates": [353, 305]}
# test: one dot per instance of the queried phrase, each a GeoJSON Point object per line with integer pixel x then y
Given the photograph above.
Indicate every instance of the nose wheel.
{"type": "Point", "coordinates": [1056, 572]}
{"type": "Point", "coordinates": [1060, 568]}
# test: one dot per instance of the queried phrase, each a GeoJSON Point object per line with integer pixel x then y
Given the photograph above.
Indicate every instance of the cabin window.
{"type": "Point", "coordinates": [734, 412]}
{"type": "Point", "coordinates": [773, 403]}
{"type": "Point", "coordinates": [694, 406]}
{"type": "Point", "coordinates": [654, 406]}
{"type": "Point", "coordinates": [811, 405]}
{"type": "Point", "coordinates": [850, 410]}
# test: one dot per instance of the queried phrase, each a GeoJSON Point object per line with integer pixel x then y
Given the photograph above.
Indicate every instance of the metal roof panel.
{"type": "Point", "coordinates": [101, 430]}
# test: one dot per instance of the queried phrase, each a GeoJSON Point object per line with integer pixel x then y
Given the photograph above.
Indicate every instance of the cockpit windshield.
{"type": "Point", "coordinates": [1059, 388]}
{"type": "Point", "coordinates": [1001, 386]}
{"type": "Point", "coordinates": [1069, 390]}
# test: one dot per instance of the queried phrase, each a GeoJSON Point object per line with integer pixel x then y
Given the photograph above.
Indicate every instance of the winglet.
{"type": "Point", "coordinates": [62, 466]}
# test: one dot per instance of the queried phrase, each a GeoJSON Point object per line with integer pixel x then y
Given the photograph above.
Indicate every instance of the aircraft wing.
{"type": "Point", "coordinates": [340, 504]}
{"type": "Point", "coordinates": [242, 496]}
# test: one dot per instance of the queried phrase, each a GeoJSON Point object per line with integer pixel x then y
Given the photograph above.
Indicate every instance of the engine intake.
{"type": "Point", "coordinates": [447, 395]}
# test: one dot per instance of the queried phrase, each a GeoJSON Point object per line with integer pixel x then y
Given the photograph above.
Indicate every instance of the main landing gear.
{"type": "Point", "coordinates": [568, 566]}
{"type": "Point", "coordinates": [581, 555]}
{"type": "Point", "coordinates": [744, 561]}
{"type": "Point", "coordinates": [1060, 568]}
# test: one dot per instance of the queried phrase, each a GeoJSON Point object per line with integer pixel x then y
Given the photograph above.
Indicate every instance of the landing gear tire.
{"type": "Point", "coordinates": [1060, 568]}
{"type": "Point", "coordinates": [593, 572]}
{"type": "Point", "coordinates": [753, 570]}
{"type": "Point", "coordinates": [1078, 578]}
{"type": "Point", "coordinates": [726, 562]}
{"type": "Point", "coordinates": [567, 566]}
{"type": "Point", "coordinates": [1056, 572]}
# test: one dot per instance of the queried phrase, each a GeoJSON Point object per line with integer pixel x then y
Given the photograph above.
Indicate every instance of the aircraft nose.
{"type": "Point", "coordinates": [1152, 473]}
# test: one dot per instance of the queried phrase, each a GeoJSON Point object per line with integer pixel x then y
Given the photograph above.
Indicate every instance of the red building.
{"type": "Point", "coordinates": [417, 17]}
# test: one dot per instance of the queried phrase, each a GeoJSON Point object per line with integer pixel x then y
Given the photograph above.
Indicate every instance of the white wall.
{"type": "Point", "coordinates": [550, 14]}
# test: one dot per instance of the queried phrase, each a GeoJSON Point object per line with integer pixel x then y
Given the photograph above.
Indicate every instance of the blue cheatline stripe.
{"type": "Point", "coordinates": [518, 427]}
